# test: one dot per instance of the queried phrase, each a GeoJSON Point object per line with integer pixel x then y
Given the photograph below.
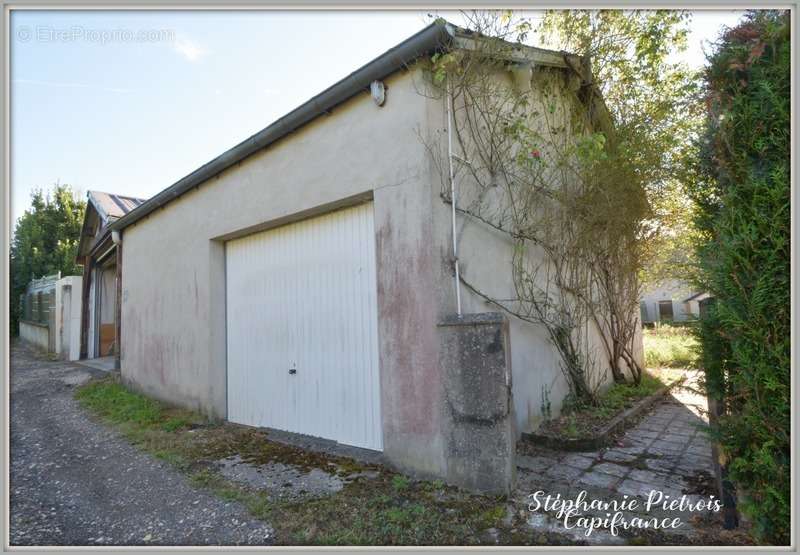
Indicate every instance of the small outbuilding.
{"type": "Point", "coordinates": [671, 300]}
{"type": "Point", "coordinates": [304, 281]}
{"type": "Point", "coordinates": [99, 254]}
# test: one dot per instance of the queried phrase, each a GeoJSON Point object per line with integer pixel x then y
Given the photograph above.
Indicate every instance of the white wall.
{"type": "Point", "coordinates": [173, 278]}
{"type": "Point", "coordinates": [68, 317]}
{"type": "Point", "coordinates": [91, 341]}
{"type": "Point", "coordinates": [485, 257]}
{"type": "Point", "coordinates": [37, 335]}
{"type": "Point", "coordinates": [173, 284]}
{"type": "Point", "coordinates": [108, 295]}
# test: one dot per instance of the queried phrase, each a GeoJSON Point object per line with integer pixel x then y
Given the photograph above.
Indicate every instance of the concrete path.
{"type": "Point", "coordinates": [76, 482]}
{"type": "Point", "coordinates": [106, 364]}
{"type": "Point", "coordinates": [667, 451]}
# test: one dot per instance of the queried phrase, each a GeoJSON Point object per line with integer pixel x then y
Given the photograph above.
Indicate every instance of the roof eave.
{"type": "Point", "coordinates": [435, 36]}
{"type": "Point", "coordinates": [521, 53]}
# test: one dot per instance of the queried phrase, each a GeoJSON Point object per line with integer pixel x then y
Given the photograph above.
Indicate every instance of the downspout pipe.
{"type": "Point", "coordinates": [450, 155]}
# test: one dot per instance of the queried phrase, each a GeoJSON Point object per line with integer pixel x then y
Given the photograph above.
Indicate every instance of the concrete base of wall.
{"type": "Point", "coordinates": [35, 334]}
{"type": "Point", "coordinates": [476, 364]}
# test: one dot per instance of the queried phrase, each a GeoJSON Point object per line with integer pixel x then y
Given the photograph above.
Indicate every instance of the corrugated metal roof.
{"type": "Point", "coordinates": [111, 206]}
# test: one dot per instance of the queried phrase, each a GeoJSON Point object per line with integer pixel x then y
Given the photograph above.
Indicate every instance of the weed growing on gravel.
{"type": "Point", "coordinates": [400, 483]}
{"type": "Point", "coordinates": [374, 512]}
{"type": "Point", "coordinates": [114, 402]}
{"type": "Point", "coordinates": [582, 421]}
{"type": "Point", "coordinates": [389, 509]}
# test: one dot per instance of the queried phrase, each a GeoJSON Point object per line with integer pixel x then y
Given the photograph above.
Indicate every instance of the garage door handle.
{"type": "Point", "coordinates": [293, 370]}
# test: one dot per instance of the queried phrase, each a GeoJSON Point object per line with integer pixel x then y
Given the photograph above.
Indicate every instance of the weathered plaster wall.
{"type": "Point", "coordinates": [68, 317]}
{"type": "Point", "coordinates": [173, 289]}
{"type": "Point", "coordinates": [478, 402]}
{"type": "Point", "coordinates": [37, 335]}
{"type": "Point", "coordinates": [485, 257]}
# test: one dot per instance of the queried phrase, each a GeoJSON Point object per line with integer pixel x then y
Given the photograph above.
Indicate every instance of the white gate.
{"type": "Point", "coordinates": [302, 331]}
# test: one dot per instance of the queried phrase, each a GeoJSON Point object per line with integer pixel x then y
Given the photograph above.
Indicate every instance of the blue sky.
{"type": "Point", "coordinates": [96, 107]}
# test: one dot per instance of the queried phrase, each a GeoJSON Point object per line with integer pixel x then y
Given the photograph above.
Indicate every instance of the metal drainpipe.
{"type": "Point", "coordinates": [116, 238]}
{"type": "Point", "coordinates": [453, 195]}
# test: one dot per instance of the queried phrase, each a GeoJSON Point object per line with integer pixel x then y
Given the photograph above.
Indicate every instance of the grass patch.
{"type": "Point", "coordinates": [373, 512]}
{"type": "Point", "coordinates": [390, 509]}
{"type": "Point", "coordinates": [111, 400]}
{"type": "Point", "coordinates": [670, 346]}
{"type": "Point", "coordinates": [584, 421]}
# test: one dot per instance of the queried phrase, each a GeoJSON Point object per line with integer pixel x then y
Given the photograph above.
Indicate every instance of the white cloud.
{"type": "Point", "coordinates": [189, 49]}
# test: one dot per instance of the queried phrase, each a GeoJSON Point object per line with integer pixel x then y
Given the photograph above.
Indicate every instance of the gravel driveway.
{"type": "Point", "coordinates": [76, 482]}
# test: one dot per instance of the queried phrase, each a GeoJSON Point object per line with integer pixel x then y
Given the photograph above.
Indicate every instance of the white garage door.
{"type": "Point", "coordinates": [302, 329]}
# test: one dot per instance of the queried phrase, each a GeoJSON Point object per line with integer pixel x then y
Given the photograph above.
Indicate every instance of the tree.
{"type": "Point", "coordinates": [45, 241]}
{"type": "Point", "coordinates": [656, 111]}
{"type": "Point", "coordinates": [742, 194]}
{"type": "Point", "coordinates": [655, 105]}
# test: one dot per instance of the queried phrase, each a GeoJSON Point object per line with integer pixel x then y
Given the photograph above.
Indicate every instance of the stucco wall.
{"type": "Point", "coordinates": [485, 257]}
{"type": "Point", "coordinates": [173, 285]}
{"type": "Point", "coordinates": [37, 335]}
{"type": "Point", "coordinates": [68, 317]}
{"type": "Point", "coordinates": [486, 261]}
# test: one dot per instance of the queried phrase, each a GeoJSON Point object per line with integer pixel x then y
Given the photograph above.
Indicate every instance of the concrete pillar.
{"type": "Point", "coordinates": [478, 413]}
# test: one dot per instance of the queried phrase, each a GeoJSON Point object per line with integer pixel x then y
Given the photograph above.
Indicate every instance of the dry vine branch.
{"type": "Point", "coordinates": [532, 165]}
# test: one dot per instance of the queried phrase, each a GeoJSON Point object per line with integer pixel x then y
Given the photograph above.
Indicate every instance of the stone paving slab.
{"type": "Point", "coordinates": [663, 452]}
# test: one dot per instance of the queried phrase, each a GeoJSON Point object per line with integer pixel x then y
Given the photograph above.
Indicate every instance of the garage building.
{"type": "Point", "coordinates": [303, 281]}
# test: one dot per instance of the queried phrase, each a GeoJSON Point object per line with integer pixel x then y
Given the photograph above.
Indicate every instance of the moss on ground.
{"type": "Point", "coordinates": [390, 509]}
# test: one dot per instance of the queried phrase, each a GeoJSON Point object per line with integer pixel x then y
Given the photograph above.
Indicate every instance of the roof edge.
{"type": "Point", "coordinates": [436, 36]}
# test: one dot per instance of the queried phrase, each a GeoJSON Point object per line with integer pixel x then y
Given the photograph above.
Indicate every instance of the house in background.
{"type": "Point", "coordinates": [304, 281]}
{"type": "Point", "coordinates": [698, 303]}
{"type": "Point", "coordinates": [99, 254]}
{"type": "Point", "coordinates": [671, 300]}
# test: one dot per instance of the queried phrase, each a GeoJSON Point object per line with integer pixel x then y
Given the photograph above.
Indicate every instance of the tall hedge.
{"type": "Point", "coordinates": [743, 200]}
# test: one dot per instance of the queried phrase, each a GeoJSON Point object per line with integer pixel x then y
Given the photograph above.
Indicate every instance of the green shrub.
{"type": "Point", "coordinates": [742, 194]}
